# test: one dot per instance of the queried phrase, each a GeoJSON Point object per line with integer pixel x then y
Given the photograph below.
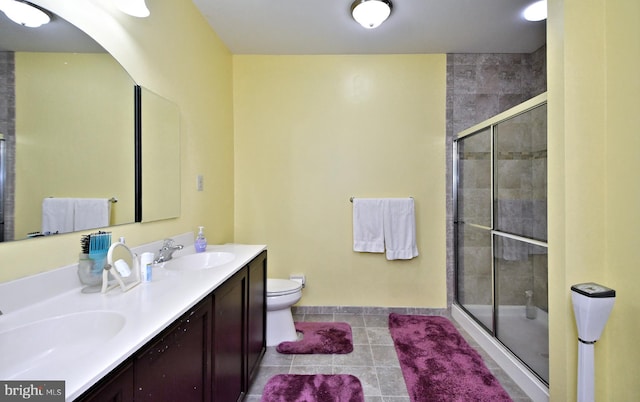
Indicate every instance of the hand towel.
{"type": "Point", "coordinates": [57, 215]}
{"type": "Point", "coordinates": [400, 228]}
{"type": "Point", "coordinates": [91, 213]}
{"type": "Point", "coordinates": [368, 231]}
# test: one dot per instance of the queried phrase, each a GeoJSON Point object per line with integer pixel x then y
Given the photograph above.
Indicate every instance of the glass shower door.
{"type": "Point", "coordinates": [520, 236]}
{"type": "Point", "coordinates": [474, 268]}
{"type": "Point", "coordinates": [500, 230]}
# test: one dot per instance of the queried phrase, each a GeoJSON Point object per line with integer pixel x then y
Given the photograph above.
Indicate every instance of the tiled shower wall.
{"type": "Point", "coordinates": [521, 206]}
{"type": "Point", "coordinates": [7, 127]}
{"type": "Point", "coordinates": [480, 86]}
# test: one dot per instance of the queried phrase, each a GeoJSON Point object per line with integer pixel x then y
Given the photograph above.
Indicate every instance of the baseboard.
{"type": "Point", "coordinates": [366, 310]}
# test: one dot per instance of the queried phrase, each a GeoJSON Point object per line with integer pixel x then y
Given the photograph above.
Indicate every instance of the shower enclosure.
{"type": "Point", "coordinates": [500, 223]}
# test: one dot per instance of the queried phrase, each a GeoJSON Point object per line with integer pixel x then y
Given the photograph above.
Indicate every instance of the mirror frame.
{"type": "Point", "coordinates": [137, 149]}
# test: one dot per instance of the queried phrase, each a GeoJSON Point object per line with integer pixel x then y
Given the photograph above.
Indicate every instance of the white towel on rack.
{"type": "Point", "coordinates": [368, 230]}
{"type": "Point", "coordinates": [91, 213]}
{"type": "Point", "coordinates": [400, 228]}
{"type": "Point", "coordinates": [57, 215]}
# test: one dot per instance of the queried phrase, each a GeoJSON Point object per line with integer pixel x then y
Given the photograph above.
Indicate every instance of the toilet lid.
{"type": "Point", "coordinates": [279, 287]}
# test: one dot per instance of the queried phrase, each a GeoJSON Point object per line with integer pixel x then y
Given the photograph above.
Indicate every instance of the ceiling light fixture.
{"type": "Point", "coordinates": [135, 8]}
{"type": "Point", "coordinates": [536, 11]}
{"type": "Point", "coordinates": [24, 13]}
{"type": "Point", "coordinates": [371, 13]}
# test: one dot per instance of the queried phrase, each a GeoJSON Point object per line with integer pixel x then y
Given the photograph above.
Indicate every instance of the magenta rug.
{"type": "Point", "coordinates": [320, 338]}
{"type": "Point", "coordinates": [438, 364]}
{"type": "Point", "coordinates": [313, 388]}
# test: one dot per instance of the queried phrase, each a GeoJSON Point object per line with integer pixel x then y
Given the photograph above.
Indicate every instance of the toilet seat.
{"type": "Point", "coordinates": [282, 287]}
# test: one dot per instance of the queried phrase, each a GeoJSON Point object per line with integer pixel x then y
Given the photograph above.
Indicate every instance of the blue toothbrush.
{"type": "Point", "coordinates": [99, 244]}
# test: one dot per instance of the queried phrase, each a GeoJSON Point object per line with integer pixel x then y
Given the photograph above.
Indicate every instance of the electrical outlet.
{"type": "Point", "coordinates": [200, 183]}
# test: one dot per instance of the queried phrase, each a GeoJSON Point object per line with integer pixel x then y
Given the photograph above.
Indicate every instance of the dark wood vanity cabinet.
{"type": "Point", "coordinates": [239, 334]}
{"type": "Point", "coordinates": [116, 387]}
{"type": "Point", "coordinates": [176, 366]}
{"type": "Point", "coordinates": [211, 353]}
{"type": "Point", "coordinates": [230, 309]}
{"type": "Point", "coordinates": [256, 315]}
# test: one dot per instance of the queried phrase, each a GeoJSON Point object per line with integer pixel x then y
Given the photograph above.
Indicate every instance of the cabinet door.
{"type": "Point", "coordinates": [257, 314]}
{"type": "Point", "coordinates": [116, 387]}
{"type": "Point", "coordinates": [228, 338]}
{"type": "Point", "coordinates": [177, 365]}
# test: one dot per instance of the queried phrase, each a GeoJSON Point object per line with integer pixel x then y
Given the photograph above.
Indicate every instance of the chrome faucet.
{"type": "Point", "coordinates": [166, 252]}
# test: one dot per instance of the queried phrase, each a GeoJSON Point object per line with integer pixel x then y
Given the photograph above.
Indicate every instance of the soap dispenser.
{"type": "Point", "coordinates": [201, 241]}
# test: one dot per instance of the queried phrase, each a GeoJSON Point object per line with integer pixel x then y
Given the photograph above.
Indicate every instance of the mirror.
{"type": "Point", "coordinates": [67, 116]}
{"type": "Point", "coordinates": [160, 153]}
{"type": "Point", "coordinates": [66, 130]}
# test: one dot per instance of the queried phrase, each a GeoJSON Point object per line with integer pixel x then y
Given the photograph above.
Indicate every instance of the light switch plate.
{"type": "Point", "coordinates": [200, 183]}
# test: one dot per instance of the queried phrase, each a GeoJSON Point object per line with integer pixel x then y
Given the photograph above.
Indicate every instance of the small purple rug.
{"type": "Point", "coordinates": [438, 364]}
{"type": "Point", "coordinates": [320, 338]}
{"type": "Point", "coordinates": [313, 388]}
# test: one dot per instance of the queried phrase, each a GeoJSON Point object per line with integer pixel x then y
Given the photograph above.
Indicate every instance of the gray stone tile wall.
{"type": "Point", "coordinates": [7, 128]}
{"type": "Point", "coordinates": [480, 86]}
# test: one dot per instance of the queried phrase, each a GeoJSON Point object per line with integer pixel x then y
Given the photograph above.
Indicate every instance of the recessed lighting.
{"type": "Point", "coordinates": [536, 11]}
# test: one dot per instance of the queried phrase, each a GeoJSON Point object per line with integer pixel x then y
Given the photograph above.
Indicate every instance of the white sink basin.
{"type": "Point", "coordinates": [24, 349]}
{"type": "Point", "coordinates": [191, 262]}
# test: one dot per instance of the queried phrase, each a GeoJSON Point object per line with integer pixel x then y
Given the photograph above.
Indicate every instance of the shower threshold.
{"type": "Point", "coordinates": [536, 389]}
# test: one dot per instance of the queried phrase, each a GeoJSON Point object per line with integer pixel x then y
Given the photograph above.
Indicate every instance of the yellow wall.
{"type": "Point", "coordinates": [50, 133]}
{"type": "Point", "coordinates": [295, 168]}
{"type": "Point", "coordinates": [312, 131]}
{"type": "Point", "coordinates": [594, 47]}
{"type": "Point", "coordinates": [176, 54]}
{"type": "Point", "coordinates": [622, 197]}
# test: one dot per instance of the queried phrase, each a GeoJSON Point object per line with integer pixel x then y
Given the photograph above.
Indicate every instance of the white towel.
{"type": "Point", "coordinates": [57, 215]}
{"type": "Point", "coordinates": [91, 213]}
{"type": "Point", "coordinates": [368, 230]}
{"type": "Point", "coordinates": [400, 228]}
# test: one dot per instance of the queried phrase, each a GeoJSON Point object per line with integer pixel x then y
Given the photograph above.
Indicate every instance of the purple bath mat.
{"type": "Point", "coordinates": [313, 388]}
{"type": "Point", "coordinates": [320, 338]}
{"type": "Point", "coordinates": [438, 364]}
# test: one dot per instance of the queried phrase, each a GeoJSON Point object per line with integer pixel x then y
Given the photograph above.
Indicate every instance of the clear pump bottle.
{"type": "Point", "coordinates": [530, 308]}
{"type": "Point", "coordinates": [201, 241]}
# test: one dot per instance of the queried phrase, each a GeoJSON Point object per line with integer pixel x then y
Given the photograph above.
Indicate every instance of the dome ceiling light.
{"type": "Point", "coordinates": [371, 13]}
{"type": "Point", "coordinates": [24, 13]}
{"type": "Point", "coordinates": [536, 11]}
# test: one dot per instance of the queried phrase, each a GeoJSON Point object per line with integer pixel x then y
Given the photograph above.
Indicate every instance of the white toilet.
{"type": "Point", "coordinates": [281, 295]}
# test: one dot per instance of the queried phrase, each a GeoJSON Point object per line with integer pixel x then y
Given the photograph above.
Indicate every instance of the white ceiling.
{"type": "Point", "coordinates": [326, 27]}
{"type": "Point", "coordinates": [56, 36]}
{"type": "Point", "coordinates": [415, 26]}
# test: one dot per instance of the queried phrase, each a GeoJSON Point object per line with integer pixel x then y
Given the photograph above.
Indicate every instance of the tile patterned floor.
{"type": "Point", "coordinates": [373, 360]}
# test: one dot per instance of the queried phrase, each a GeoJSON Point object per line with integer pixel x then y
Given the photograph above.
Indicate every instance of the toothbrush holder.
{"type": "Point", "coordinates": [90, 271]}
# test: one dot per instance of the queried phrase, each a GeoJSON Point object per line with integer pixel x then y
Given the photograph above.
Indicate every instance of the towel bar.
{"type": "Point", "coordinates": [112, 200]}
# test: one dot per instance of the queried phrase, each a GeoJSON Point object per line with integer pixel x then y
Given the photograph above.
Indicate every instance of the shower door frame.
{"type": "Point", "coordinates": [3, 175]}
{"type": "Point", "coordinates": [477, 129]}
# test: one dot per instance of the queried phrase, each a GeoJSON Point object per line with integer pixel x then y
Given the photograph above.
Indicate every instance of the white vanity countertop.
{"type": "Point", "coordinates": [147, 309]}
